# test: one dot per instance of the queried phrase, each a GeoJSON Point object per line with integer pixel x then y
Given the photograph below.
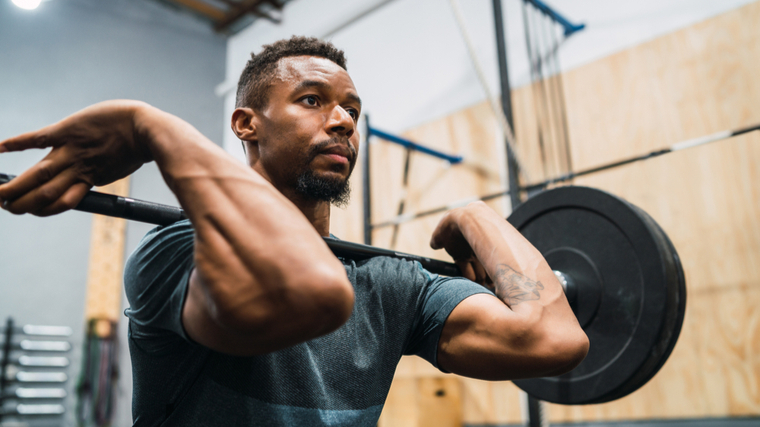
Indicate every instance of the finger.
{"type": "Point", "coordinates": [438, 239]}
{"type": "Point", "coordinates": [69, 200]}
{"type": "Point", "coordinates": [466, 268]}
{"type": "Point", "coordinates": [25, 141]}
{"type": "Point", "coordinates": [42, 172]}
{"type": "Point", "coordinates": [489, 283]}
{"type": "Point", "coordinates": [41, 196]}
{"type": "Point", "coordinates": [480, 272]}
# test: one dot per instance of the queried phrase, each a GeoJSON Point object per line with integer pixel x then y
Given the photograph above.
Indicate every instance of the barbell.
{"type": "Point", "coordinates": [621, 274]}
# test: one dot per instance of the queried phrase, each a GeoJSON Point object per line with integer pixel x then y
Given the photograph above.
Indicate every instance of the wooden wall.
{"type": "Point", "coordinates": [686, 84]}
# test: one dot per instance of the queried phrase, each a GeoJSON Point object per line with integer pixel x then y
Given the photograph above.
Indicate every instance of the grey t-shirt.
{"type": "Point", "coordinates": [339, 379]}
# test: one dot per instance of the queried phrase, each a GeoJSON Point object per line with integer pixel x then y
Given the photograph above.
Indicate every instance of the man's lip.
{"type": "Point", "coordinates": [340, 150]}
{"type": "Point", "coordinates": [336, 157]}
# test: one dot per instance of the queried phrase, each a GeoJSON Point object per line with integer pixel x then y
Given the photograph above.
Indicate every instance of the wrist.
{"type": "Point", "coordinates": [472, 216]}
{"type": "Point", "coordinates": [143, 123]}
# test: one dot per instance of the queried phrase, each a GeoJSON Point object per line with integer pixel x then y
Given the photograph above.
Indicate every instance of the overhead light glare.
{"type": "Point", "coordinates": [27, 4]}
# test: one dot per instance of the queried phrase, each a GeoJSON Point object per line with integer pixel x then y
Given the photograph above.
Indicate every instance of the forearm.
{"type": "Point", "coordinates": [254, 249]}
{"type": "Point", "coordinates": [532, 331]}
{"type": "Point", "coordinates": [521, 277]}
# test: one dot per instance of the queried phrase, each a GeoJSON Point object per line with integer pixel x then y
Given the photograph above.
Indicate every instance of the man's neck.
{"type": "Point", "coordinates": [317, 212]}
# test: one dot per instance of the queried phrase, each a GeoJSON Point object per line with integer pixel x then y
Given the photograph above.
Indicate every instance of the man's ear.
{"type": "Point", "coordinates": [243, 123]}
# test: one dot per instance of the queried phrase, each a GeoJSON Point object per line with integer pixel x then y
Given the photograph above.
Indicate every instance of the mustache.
{"type": "Point", "coordinates": [322, 145]}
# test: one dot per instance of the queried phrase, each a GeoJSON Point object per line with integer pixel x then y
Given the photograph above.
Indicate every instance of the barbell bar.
{"type": "Point", "coordinates": [620, 272]}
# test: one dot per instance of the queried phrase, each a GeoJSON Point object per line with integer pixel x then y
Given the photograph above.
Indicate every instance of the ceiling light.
{"type": "Point", "coordinates": [27, 4]}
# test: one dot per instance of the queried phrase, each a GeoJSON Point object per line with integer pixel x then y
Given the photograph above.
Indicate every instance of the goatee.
{"type": "Point", "coordinates": [336, 191]}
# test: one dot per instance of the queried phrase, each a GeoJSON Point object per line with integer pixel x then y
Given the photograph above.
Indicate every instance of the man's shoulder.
{"type": "Point", "coordinates": [160, 262]}
{"type": "Point", "coordinates": [393, 270]}
{"type": "Point", "coordinates": [162, 233]}
{"type": "Point", "coordinates": [163, 240]}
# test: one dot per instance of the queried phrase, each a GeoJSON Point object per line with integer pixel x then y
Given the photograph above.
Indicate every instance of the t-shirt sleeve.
{"type": "Point", "coordinates": [156, 278]}
{"type": "Point", "coordinates": [439, 298]}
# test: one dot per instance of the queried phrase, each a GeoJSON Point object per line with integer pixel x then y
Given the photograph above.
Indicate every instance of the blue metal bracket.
{"type": "Point", "coordinates": [569, 27]}
{"type": "Point", "coordinates": [414, 146]}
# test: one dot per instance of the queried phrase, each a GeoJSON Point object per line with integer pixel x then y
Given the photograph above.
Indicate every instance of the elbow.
{"type": "Point", "coordinates": [331, 302]}
{"type": "Point", "coordinates": [551, 348]}
{"type": "Point", "coordinates": [568, 350]}
{"type": "Point", "coordinates": [289, 309]}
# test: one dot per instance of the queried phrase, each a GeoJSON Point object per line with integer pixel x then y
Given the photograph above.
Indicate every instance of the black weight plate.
{"type": "Point", "coordinates": [674, 316]}
{"type": "Point", "coordinates": [631, 294]}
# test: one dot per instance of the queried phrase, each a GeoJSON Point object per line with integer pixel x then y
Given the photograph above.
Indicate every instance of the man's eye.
{"type": "Point", "coordinates": [353, 113]}
{"type": "Point", "coordinates": [310, 100]}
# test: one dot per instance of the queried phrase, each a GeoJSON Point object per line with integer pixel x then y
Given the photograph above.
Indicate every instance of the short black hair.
{"type": "Point", "coordinates": [253, 86]}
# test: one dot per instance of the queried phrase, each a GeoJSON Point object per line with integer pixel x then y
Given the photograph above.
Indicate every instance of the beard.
{"type": "Point", "coordinates": [334, 190]}
{"type": "Point", "coordinates": [337, 191]}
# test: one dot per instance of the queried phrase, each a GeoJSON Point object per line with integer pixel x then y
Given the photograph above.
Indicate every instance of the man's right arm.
{"type": "Point", "coordinates": [530, 329]}
{"type": "Point", "coordinates": [264, 279]}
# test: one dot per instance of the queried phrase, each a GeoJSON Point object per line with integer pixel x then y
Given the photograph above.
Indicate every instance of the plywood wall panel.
{"type": "Point", "coordinates": [432, 181]}
{"type": "Point", "coordinates": [485, 402]}
{"type": "Point", "coordinates": [687, 84]}
{"type": "Point", "coordinates": [347, 222]}
{"type": "Point", "coordinates": [104, 271]}
{"type": "Point", "coordinates": [423, 402]}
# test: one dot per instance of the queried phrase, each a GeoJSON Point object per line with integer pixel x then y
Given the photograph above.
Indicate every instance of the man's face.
{"type": "Point", "coordinates": [307, 136]}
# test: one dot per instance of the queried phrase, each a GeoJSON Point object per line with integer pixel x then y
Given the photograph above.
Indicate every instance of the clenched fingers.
{"type": "Point", "coordinates": [466, 268]}
{"type": "Point", "coordinates": [69, 200]}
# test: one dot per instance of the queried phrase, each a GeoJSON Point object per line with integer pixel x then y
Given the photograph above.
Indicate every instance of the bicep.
{"type": "Point", "coordinates": [253, 322]}
{"type": "Point", "coordinates": [200, 323]}
{"type": "Point", "coordinates": [483, 338]}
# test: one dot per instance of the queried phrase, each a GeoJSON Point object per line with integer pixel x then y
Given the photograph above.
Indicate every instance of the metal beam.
{"type": "Point", "coordinates": [506, 102]}
{"type": "Point", "coordinates": [203, 8]}
{"type": "Point", "coordinates": [245, 7]}
{"type": "Point", "coordinates": [366, 185]}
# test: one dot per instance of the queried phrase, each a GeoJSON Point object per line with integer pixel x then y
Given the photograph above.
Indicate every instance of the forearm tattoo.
{"type": "Point", "coordinates": [513, 287]}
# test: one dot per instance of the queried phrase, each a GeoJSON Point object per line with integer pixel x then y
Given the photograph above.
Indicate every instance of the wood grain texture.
{"type": "Point", "coordinates": [686, 84]}
{"type": "Point", "coordinates": [104, 274]}
{"type": "Point", "coordinates": [433, 182]}
{"type": "Point", "coordinates": [423, 402]}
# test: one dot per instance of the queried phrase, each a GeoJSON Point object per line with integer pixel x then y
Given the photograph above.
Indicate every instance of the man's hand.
{"type": "Point", "coordinates": [448, 235]}
{"type": "Point", "coordinates": [529, 330]}
{"type": "Point", "coordinates": [95, 146]}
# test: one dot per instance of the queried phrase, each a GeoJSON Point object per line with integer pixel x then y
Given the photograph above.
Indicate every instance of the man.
{"type": "Point", "coordinates": [242, 315]}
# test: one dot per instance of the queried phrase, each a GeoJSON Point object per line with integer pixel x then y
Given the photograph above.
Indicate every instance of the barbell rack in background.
{"type": "Point", "coordinates": [33, 371]}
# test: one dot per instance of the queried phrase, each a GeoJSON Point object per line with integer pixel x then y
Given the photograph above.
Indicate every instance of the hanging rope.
{"type": "Point", "coordinates": [501, 118]}
{"type": "Point", "coordinates": [542, 45]}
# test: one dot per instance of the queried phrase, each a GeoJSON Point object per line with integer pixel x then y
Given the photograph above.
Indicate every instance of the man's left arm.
{"type": "Point", "coordinates": [530, 329]}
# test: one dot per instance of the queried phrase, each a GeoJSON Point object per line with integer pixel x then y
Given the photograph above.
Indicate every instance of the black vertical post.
{"type": "Point", "coordinates": [6, 355]}
{"type": "Point", "coordinates": [367, 189]}
{"type": "Point", "coordinates": [506, 101]}
{"type": "Point", "coordinates": [534, 412]}
{"type": "Point", "coordinates": [402, 202]}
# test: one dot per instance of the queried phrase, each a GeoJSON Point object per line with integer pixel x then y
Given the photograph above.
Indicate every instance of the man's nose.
{"type": "Point", "coordinates": [341, 122]}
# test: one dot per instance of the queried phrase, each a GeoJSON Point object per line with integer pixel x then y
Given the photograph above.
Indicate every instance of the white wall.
{"type": "Point", "coordinates": [410, 64]}
{"type": "Point", "coordinates": [54, 61]}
